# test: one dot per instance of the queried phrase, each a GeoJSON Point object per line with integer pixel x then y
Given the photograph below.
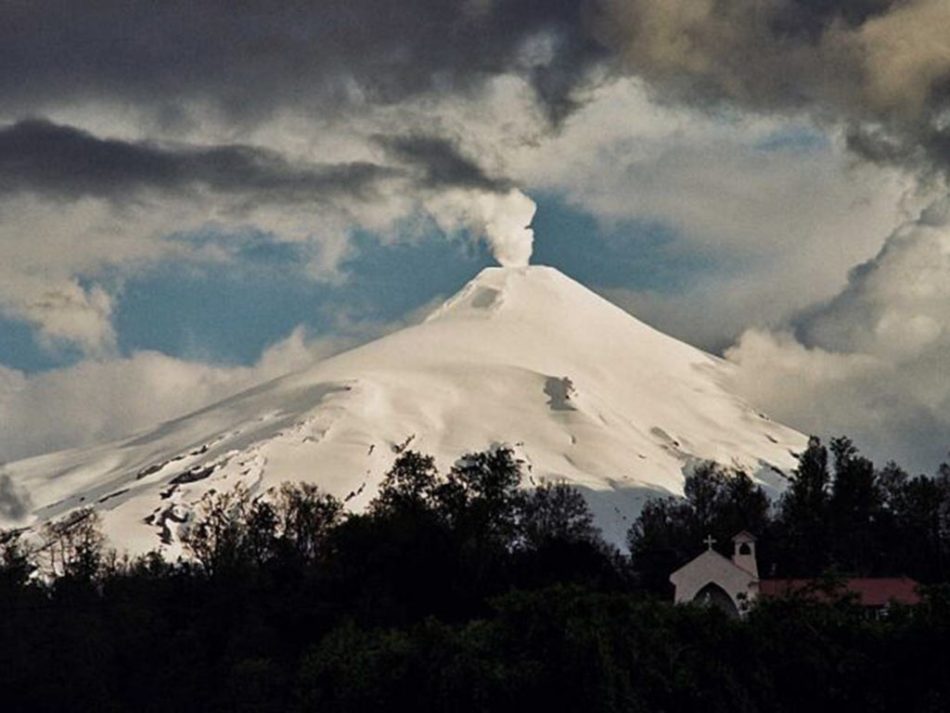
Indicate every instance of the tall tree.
{"type": "Point", "coordinates": [804, 509]}
{"type": "Point", "coordinates": [855, 506]}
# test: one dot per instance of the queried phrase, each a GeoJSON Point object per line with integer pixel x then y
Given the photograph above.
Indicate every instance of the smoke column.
{"type": "Point", "coordinates": [502, 219]}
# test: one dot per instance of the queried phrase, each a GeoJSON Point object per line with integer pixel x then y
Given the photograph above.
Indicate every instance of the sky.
{"type": "Point", "coordinates": [196, 197]}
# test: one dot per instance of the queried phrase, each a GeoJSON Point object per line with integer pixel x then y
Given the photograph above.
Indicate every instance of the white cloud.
{"type": "Point", "coordinates": [873, 361]}
{"type": "Point", "coordinates": [100, 400]}
{"type": "Point", "coordinates": [778, 207]}
{"type": "Point", "coordinates": [45, 247]}
{"type": "Point", "coordinates": [67, 312]}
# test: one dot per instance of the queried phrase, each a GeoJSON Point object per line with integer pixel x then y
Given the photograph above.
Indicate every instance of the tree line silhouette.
{"type": "Point", "coordinates": [464, 591]}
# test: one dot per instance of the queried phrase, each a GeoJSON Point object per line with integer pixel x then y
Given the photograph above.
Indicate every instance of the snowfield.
{"type": "Point", "coordinates": [525, 356]}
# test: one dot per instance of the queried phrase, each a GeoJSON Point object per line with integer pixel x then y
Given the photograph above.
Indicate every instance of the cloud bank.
{"type": "Point", "coordinates": [100, 400]}
{"type": "Point", "coordinates": [873, 359]}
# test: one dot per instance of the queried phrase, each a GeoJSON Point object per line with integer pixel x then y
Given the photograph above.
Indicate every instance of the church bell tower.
{"type": "Point", "coordinates": [743, 554]}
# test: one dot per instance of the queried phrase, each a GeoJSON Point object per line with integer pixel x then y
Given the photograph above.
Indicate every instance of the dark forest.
{"type": "Point", "coordinates": [463, 591]}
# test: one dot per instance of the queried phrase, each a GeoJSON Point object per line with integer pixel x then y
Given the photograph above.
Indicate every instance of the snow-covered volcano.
{"type": "Point", "coordinates": [526, 356]}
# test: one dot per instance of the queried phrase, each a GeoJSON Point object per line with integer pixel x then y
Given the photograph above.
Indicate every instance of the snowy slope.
{"type": "Point", "coordinates": [522, 355]}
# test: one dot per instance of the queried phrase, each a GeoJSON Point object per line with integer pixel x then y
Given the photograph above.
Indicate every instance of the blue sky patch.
{"type": "Point", "coordinates": [800, 139]}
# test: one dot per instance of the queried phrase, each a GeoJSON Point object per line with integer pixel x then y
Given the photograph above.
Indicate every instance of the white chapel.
{"type": "Point", "coordinates": [730, 584]}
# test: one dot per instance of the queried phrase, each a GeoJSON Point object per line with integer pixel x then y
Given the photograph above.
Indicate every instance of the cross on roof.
{"type": "Point", "coordinates": [709, 541]}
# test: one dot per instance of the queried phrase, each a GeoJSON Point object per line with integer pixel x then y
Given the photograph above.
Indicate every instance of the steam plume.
{"type": "Point", "coordinates": [502, 219]}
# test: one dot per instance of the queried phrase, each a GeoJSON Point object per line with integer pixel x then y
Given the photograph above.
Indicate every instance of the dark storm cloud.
{"type": "Point", "coordinates": [41, 157]}
{"type": "Point", "coordinates": [441, 162]}
{"type": "Point", "coordinates": [810, 18]}
{"type": "Point", "coordinates": [249, 57]}
{"type": "Point", "coordinates": [877, 145]}
{"type": "Point", "coordinates": [926, 150]}
{"type": "Point", "coordinates": [774, 55]}
{"type": "Point", "coordinates": [882, 67]}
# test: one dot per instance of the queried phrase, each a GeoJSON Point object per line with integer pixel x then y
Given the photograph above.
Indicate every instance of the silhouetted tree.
{"type": "Point", "coordinates": [804, 514]}
{"type": "Point", "coordinates": [16, 563]}
{"type": "Point", "coordinates": [481, 496]}
{"type": "Point", "coordinates": [555, 512]}
{"type": "Point", "coordinates": [408, 487]}
{"type": "Point", "coordinates": [306, 518]}
{"type": "Point", "coordinates": [854, 506]}
{"type": "Point", "coordinates": [73, 547]}
{"type": "Point", "coordinates": [228, 530]}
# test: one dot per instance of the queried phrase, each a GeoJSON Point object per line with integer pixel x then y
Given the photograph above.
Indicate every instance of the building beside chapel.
{"type": "Point", "coordinates": [732, 583]}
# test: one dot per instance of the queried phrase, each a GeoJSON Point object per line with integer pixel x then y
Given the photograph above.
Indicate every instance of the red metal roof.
{"type": "Point", "coordinates": [871, 591]}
